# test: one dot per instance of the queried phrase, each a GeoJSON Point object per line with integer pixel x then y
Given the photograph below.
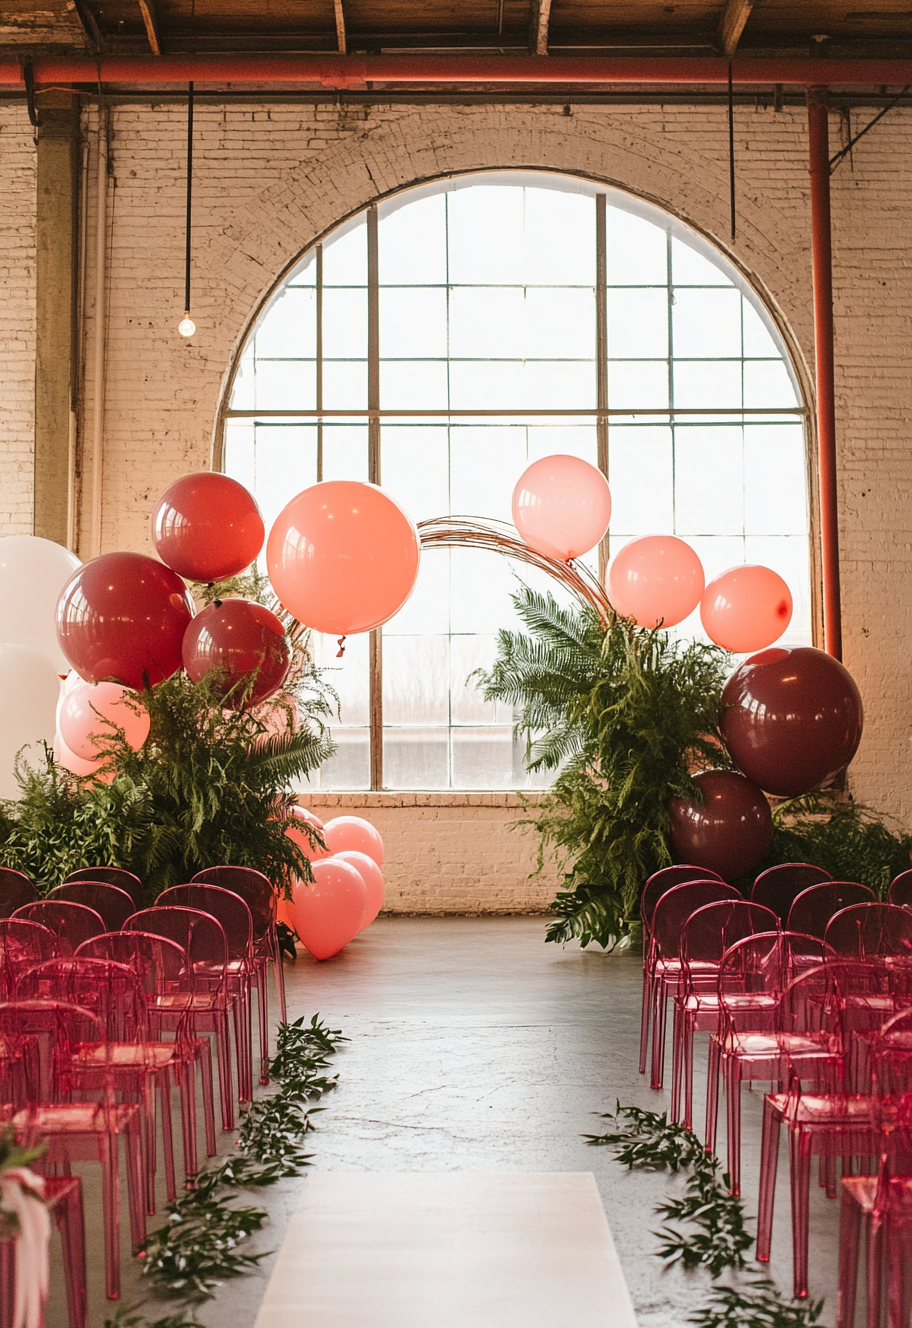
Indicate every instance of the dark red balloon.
{"type": "Point", "coordinates": [730, 832]}
{"type": "Point", "coordinates": [207, 527]}
{"type": "Point", "coordinates": [793, 719]}
{"type": "Point", "coordinates": [238, 638]}
{"type": "Point", "coordinates": [122, 617]}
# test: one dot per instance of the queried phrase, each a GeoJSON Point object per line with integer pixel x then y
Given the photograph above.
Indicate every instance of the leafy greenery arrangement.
{"type": "Point", "coordinates": [629, 715]}
{"type": "Point", "coordinates": [717, 1235]}
{"type": "Point", "coordinates": [849, 841]}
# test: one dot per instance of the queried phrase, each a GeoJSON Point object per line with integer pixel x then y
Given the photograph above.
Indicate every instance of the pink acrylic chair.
{"type": "Point", "coordinates": [664, 973]}
{"type": "Point", "coordinates": [16, 889]}
{"type": "Point", "coordinates": [22, 945]}
{"type": "Point", "coordinates": [261, 898]}
{"type": "Point", "coordinates": [778, 887]}
{"type": "Point", "coordinates": [63, 1196]}
{"type": "Point", "coordinates": [71, 923]}
{"type": "Point", "coordinates": [900, 891]}
{"type": "Point", "coordinates": [202, 938]}
{"type": "Point", "coordinates": [49, 1035]}
{"type": "Point", "coordinates": [705, 937]}
{"type": "Point", "coordinates": [119, 876]}
{"type": "Point", "coordinates": [813, 908]}
{"type": "Point", "coordinates": [871, 931]}
{"type": "Point", "coordinates": [112, 904]}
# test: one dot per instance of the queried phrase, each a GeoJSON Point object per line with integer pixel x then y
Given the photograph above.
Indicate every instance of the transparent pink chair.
{"type": "Point", "coordinates": [63, 1196]}
{"type": "Point", "coordinates": [659, 883]}
{"type": "Point", "coordinates": [871, 931]}
{"type": "Point", "coordinates": [168, 983]}
{"type": "Point", "coordinates": [778, 887]}
{"type": "Point", "coordinates": [112, 904]}
{"type": "Point", "coordinates": [258, 893]}
{"type": "Point", "coordinates": [16, 889]}
{"type": "Point", "coordinates": [22, 945]}
{"type": "Point", "coordinates": [705, 937]}
{"type": "Point", "coordinates": [71, 923]}
{"type": "Point", "coordinates": [202, 938]}
{"type": "Point", "coordinates": [900, 891]}
{"type": "Point", "coordinates": [76, 1124]}
{"type": "Point", "coordinates": [813, 908]}
{"type": "Point", "coordinates": [664, 974]}
{"type": "Point", "coordinates": [119, 876]}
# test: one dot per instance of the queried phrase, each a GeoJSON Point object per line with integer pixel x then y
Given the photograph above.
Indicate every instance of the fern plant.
{"type": "Point", "coordinates": [627, 715]}
{"type": "Point", "coordinates": [850, 841]}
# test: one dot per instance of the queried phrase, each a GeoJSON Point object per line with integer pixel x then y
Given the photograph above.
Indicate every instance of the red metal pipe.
{"type": "Point", "coordinates": [356, 71]}
{"type": "Point", "coordinates": [819, 149]}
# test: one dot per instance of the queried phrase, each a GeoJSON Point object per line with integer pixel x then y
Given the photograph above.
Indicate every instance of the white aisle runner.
{"type": "Point", "coordinates": [448, 1250]}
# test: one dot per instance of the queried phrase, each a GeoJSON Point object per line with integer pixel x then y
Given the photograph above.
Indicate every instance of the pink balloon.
{"type": "Point", "coordinates": [309, 817]}
{"type": "Point", "coordinates": [373, 882]}
{"type": "Point", "coordinates": [70, 761]}
{"type": "Point", "coordinates": [342, 557]}
{"type": "Point", "coordinates": [353, 832]}
{"type": "Point", "coordinates": [746, 608]}
{"type": "Point", "coordinates": [561, 506]}
{"type": "Point", "coordinates": [327, 915]}
{"type": "Point", "coordinates": [300, 836]}
{"type": "Point", "coordinates": [85, 710]}
{"type": "Point", "coordinates": [655, 580]}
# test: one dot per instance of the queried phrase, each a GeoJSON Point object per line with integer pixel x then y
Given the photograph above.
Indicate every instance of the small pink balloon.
{"type": "Point", "coordinates": [656, 579]}
{"type": "Point", "coordinates": [353, 832]}
{"type": "Point", "coordinates": [294, 831]}
{"type": "Point", "coordinates": [746, 609]}
{"type": "Point", "coordinates": [309, 817]}
{"type": "Point", "coordinates": [561, 506]}
{"type": "Point", "coordinates": [373, 882]}
{"type": "Point", "coordinates": [70, 761]}
{"type": "Point", "coordinates": [327, 915]}
{"type": "Point", "coordinates": [85, 710]}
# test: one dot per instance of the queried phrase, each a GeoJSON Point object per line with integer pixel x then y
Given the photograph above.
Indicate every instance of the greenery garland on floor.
{"type": "Point", "coordinates": [716, 1235]}
{"type": "Point", "coordinates": [197, 1247]}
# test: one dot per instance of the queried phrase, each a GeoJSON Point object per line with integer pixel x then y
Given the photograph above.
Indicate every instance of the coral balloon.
{"type": "Point", "coordinates": [29, 689]}
{"type": "Point", "coordinates": [746, 608]}
{"type": "Point", "coordinates": [297, 819]}
{"type": "Point", "coordinates": [561, 506]}
{"type": "Point", "coordinates": [792, 719]}
{"type": "Point", "coordinates": [309, 817]}
{"type": "Point", "coordinates": [242, 645]}
{"type": "Point", "coordinates": [655, 580]}
{"type": "Point", "coordinates": [353, 832]}
{"type": "Point", "coordinates": [88, 716]}
{"type": "Point", "coordinates": [122, 618]}
{"type": "Point", "coordinates": [343, 557]}
{"type": "Point", "coordinates": [68, 759]}
{"type": "Point", "coordinates": [327, 915]}
{"type": "Point", "coordinates": [373, 882]}
{"type": "Point", "coordinates": [33, 572]}
{"type": "Point", "coordinates": [729, 832]}
{"type": "Point", "coordinates": [206, 527]}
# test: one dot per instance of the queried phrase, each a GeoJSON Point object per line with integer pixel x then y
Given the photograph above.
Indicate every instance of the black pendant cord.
{"type": "Point", "coordinates": [189, 195]}
{"type": "Point", "coordinates": [731, 147]}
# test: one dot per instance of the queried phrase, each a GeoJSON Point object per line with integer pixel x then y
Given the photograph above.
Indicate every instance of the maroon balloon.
{"type": "Point", "coordinates": [793, 719]}
{"type": "Point", "coordinates": [238, 638]}
{"type": "Point", "coordinates": [121, 618]}
{"type": "Point", "coordinates": [206, 527]}
{"type": "Point", "coordinates": [729, 832]}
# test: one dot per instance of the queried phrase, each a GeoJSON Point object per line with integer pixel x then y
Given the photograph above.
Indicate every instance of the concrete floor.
{"type": "Point", "coordinates": [477, 1047]}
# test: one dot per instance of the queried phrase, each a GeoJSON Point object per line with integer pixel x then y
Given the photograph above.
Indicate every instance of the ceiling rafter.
{"type": "Point", "coordinates": [88, 23]}
{"type": "Point", "coordinates": [150, 19]}
{"type": "Point", "coordinates": [340, 26]}
{"type": "Point", "coordinates": [538, 28]}
{"type": "Point", "coordinates": [731, 24]}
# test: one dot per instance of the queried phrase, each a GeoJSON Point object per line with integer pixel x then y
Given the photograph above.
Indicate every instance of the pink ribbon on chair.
{"type": "Point", "coordinates": [22, 1200]}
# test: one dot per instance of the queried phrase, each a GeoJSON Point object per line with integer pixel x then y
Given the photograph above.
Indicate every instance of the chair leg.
{"type": "Point", "coordinates": [147, 1130]}
{"type": "Point", "coordinates": [223, 1052]}
{"type": "Point", "coordinates": [107, 1152]}
{"type": "Point", "coordinates": [800, 1177]}
{"type": "Point", "coordinates": [849, 1230]}
{"type": "Point", "coordinates": [688, 1029]}
{"type": "Point", "coordinates": [164, 1089]}
{"type": "Point", "coordinates": [262, 987]}
{"type": "Point", "coordinates": [712, 1094]}
{"type": "Point", "coordinates": [133, 1146]}
{"type": "Point", "coordinates": [279, 967]}
{"type": "Point", "coordinates": [733, 1123]}
{"type": "Point", "coordinates": [877, 1240]}
{"type": "Point", "coordinates": [71, 1225]}
{"type": "Point", "coordinates": [204, 1055]}
{"type": "Point", "coordinates": [658, 1033]}
{"type": "Point", "coordinates": [187, 1084]}
{"type": "Point", "coordinates": [644, 1020]}
{"type": "Point", "coordinates": [769, 1160]}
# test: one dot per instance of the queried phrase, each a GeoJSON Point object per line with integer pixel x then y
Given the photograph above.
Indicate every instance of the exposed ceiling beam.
{"type": "Point", "coordinates": [150, 18]}
{"type": "Point", "coordinates": [340, 26]}
{"type": "Point", "coordinates": [538, 29]}
{"type": "Point", "coordinates": [88, 22]}
{"type": "Point", "coordinates": [731, 24]}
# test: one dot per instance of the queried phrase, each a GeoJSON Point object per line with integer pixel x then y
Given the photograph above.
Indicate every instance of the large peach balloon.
{"type": "Point", "coordinates": [327, 915]}
{"type": "Point", "coordinates": [353, 832]}
{"type": "Point", "coordinates": [561, 506]}
{"type": "Point", "coordinates": [746, 608]}
{"type": "Point", "coordinates": [373, 882]}
{"type": "Point", "coordinates": [89, 715]}
{"type": "Point", "coordinates": [656, 580]}
{"type": "Point", "coordinates": [343, 557]}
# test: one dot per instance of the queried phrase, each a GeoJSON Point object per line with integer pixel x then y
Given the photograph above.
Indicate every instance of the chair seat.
{"type": "Point", "coordinates": [76, 1117]}
{"type": "Point", "coordinates": [849, 1110]}
{"type": "Point", "coordinates": [776, 1045]}
{"type": "Point", "coordinates": [127, 1055]}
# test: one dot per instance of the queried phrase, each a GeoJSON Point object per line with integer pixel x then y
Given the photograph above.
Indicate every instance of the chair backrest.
{"type": "Point", "coordinates": [813, 908]}
{"type": "Point", "coordinates": [676, 906]}
{"type": "Point", "coordinates": [764, 964]}
{"type": "Point", "coordinates": [778, 887]}
{"type": "Point", "coordinates": [22, 945]}
{"type": "Point", "coordinates": [230, 909]}
{"type": "Point", "coordinates": [43, 1036]}
{"type": "Point", "coordinates": [253, 887]}
{"type": "Point", "coordinates": [71, 923]}
{"type": "Point", "coordinates": [870, 930]}
{"type": "Point", "coordinates": [714, 928]}
{"type": "Point", "coordinates": [16, 889]}
{"type": "Point", "coordinates": [198, 934]}
{"type": "Point", "coordinates": [160, 963]}
{"type": "Point", "coordinates": [900, 892]}
{"type": "Point", "coordinates": [111, 991]}
{"type": "Point", "coordinates": [665, 879]}
{"type": "Point", "coordinates": [119, 876]}
{"type": "Point", "coordinates": [112, 904]}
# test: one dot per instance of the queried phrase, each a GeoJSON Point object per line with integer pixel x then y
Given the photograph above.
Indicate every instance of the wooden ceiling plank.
{"type": "Point", "coordinates": [538, 29]}
{"type": "Point", "coordinates": [150, 19]}
{"type": "Point", "coordinates": [340, 26]}
{"type": "Point", "coordinates": [731, 24]}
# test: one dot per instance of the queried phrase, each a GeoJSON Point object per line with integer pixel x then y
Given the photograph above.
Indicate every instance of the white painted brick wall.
{"type": "Point", "coordinates": [17, 319]}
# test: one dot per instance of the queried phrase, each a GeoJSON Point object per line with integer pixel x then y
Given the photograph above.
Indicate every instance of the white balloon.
{"type": "Point", "coordinates": [33, 572]}
{"type": "Point", "coordinates": [29, 688]}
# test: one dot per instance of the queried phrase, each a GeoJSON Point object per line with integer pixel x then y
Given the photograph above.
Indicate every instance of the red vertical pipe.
{"type": "Point", "coordinates": [819, 146]}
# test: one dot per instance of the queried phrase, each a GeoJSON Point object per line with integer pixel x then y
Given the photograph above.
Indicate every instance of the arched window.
{"type": "Point", "coordinates": [440, 341]}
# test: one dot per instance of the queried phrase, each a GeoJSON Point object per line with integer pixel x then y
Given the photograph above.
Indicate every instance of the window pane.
{"type": "Point", "coordinates": [485, 235]}
{"type": "Point", "coordinates": [289, 329]}
{"type": "Point", "coordinates": [560, 324]}
{"type": "Point", "coordinates": [344, 385]}
{"type": "Point", "coordinates": [413, 323]}
{"type": "Point", "coordinates": [712, 384]}
{"type": "Point", "coordinates": [416, 758]}
{"type": "Point", "coordinates": [345, 257]}
{"type": "Point", "coordinates": [690, 268]}
{"type": "Point", "coordinates": [775, 479]}
{"type": "Point", "coordinates": [412, 243]}
{"type": "Point", "coordinates": [706, 323]}
{"type": "Point", "coordinates": [415, 385]}
{"type": "Point", "coordinates": [416, 468]}
{"type": "Point", "coordinates": [416, 680]}
{"type": "Point", "coordinates": [637, 251]}
{"type": "Point", "coordinates": [344, 324]}
{"type": "Point", "coordinates": [286, 385]}
{"type": "Point", "coordinates": [488, 322]}
{"type": "Point", "coordinates": [642, 480]}
{"type": "Point", "coordinates": [637, 324]}
{"type": "Point", "coordinates": [559, 238]}
{"type": "Point", "coordinates": [709, 481]}
{"type": "Point", "coordinates": [633, 384]}
{"type": "Point", "coordinates": [483, 758]}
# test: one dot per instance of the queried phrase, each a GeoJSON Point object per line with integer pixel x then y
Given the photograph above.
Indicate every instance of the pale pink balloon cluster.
{"type": "Point", "coordinates": [347, 890]}
{"type": "Point", "coordinates": [88, 715]}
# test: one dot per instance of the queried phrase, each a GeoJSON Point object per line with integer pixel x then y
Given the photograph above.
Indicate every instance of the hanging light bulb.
{"type": "Point", "coordinates": [186, 327]}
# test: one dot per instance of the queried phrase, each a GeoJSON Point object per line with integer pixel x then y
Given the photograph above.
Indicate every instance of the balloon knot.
{"type": "Point", "coordinates": [341, 650]}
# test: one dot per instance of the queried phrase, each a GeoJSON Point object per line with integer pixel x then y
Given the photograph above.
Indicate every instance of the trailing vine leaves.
{"type": "Point", "coordinates": [628, 714]}
{"type": "Point", "coordinates": [755, 1304]}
